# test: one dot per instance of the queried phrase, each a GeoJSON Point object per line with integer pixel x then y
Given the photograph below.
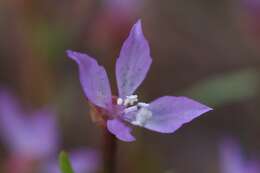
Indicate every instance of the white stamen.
{"type": "Point", "coordinates": [142, 116]}
{"type": "Point", "coordinates": [130, 109]}
{"type": "Point", "coordinates": [126, 102]}
{"type": "Point", "coordinates": [142, 104]}
{"type": "Point", "coordinates": [132, 97]}
{"type": "Point", "coordinates": [120, 101]}
{"type": "Point", "coordinates": [130, 100]}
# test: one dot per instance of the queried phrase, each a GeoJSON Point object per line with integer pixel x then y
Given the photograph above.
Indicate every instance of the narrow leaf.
{"type": "Point", "coordinates": [65, 165]}
{"type": "Point", "coordinates": [226, 88]}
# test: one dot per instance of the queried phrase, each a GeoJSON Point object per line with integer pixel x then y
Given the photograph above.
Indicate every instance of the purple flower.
{"type": "Point", "coordinates": [249, 15]}
{"type": "Point", "coordinates": [82, 161]}
{"type": "Point", "coordinates": [232, 159]}
{"type": "Point", "coordinates": [34, 136]}
{"type": "Point", "coordinates": [252, 6]}
{"type": "Point", "coordinates": [126, 6]}
{"type": "Point", "coordinates": [165, 114]}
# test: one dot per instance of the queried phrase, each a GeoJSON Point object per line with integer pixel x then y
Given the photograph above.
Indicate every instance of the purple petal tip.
{"type": "Point", "coordinates": [72, 54]}
{"type": "Point", "coordinates": [138, 27]}
{"type": "Point", "coordinates": [69, 53]}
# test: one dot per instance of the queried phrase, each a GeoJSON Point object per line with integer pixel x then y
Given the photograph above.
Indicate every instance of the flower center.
{"type": "Point", "coordinates": [129, 101]}
{"type": "Point", "coordinates": [142, 116]}
{"type": "Point", "coordinates": [142, 113]}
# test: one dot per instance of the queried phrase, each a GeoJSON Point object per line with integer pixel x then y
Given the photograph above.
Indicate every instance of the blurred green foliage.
{"type": "Point", "coordinates": [226, 88]}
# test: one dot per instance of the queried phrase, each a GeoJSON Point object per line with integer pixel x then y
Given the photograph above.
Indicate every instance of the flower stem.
{"type": "Point", "coordinates": [109, 152]}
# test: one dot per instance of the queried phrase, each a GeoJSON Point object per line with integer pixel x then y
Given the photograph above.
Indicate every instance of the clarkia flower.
{"type": "Point", "coordinates": [82, 160]}
{"type": "Point", "coordinates": [232, 159]}
{"type": "Point", "coordinates": [35, 137]}
{"type": "Point", "coordinates": [251, 9]}
{"type": "Point", "coordinates": [29, 135]}
{"type": "Point", "coordinates": [165, 114]}
{"type": "Point", "coordinates": [117, 17]}
{"type": "Point", "coordinates": [249, 14]}
{"type": "Point", "coordinates": [129, 7]}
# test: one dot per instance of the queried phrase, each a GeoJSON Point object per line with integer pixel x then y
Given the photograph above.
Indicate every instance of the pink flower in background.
{"type": "Point", "coordinates": [249, 15]}
{"type": "Point", "coordinates": [165, 114]}
{"type": "Point", "coordinates": [116, 16]}
{"type": "Point", "coordinates": [128, 7]}
{"type": "Point", "coordinates": [232, 160]}
{"type": "Point", "coordinates": [251, 8]}
{"type": "Point", "coordinates": [27, 134]}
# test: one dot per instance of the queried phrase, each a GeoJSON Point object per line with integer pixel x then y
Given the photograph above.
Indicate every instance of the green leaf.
{"type": "Point", "coordinates": [64, 162]}
{"type": "Point", "coordinates": [226, 88]}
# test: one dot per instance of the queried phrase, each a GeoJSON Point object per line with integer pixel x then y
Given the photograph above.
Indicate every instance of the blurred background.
{"type": "Point", "coordinates": [207, 50]}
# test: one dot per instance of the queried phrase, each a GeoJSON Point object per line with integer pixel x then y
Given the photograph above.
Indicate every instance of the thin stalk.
{"type": "Point", "coordinates": [109, 152]}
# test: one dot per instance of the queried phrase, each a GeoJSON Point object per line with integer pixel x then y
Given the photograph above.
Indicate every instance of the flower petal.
{"type": "Point", "coordinates": [170, 113]}
{"type": "Point", "coordinates": [133, 63]}
{"type": "Point", "coordinates": [120, 130]}
{"type": "Point", "coordinates": [93, 78]}
{"type": "Point", "coordinates": [231, 157]}
{"type": "Point", "coordinates": [33, 136]}
{"type": "Point", "coordinates": [10, 119]}
{"type": "Point", "coordinates": [43, 133]}
{"type": "Point", "coordinates": [253, 166]}
{"type": "Point", "coordinates": [85, 160]}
